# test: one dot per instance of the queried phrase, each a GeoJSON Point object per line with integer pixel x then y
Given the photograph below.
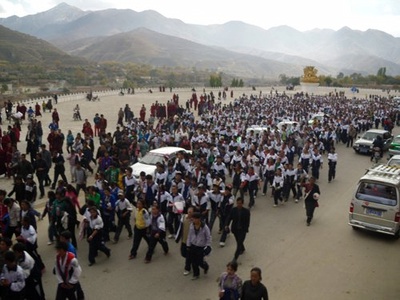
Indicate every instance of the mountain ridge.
{"type": "Point", "coordinates": [329, 49]}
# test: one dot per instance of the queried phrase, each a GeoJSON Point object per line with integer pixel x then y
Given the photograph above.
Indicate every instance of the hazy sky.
{"type": "Point", "coordinates": [302, 15]}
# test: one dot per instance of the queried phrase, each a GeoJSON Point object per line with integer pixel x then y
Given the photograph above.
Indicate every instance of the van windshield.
{"type": "Point", "coordinates": [377, 193]}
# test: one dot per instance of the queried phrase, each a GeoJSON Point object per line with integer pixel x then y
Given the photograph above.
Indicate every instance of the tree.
{"type": "Point", "coordinates": [328, 80]}
{"type": "Point", "coordinates": [215, 80]}
{"type": "Point", "coordinates": [381, 72]}
{"type": "Point", "coordinates": [283, 79]}
{"type": "Point", "coordinates": [340, 76]}
{"type": "Point", "coordinates": [4, 88]}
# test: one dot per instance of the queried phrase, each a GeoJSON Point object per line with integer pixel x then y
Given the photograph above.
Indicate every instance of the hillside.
{"type": "Point", "coordinates": [16, 47]}
{"type": "Point", "coordinates": [149, 47]}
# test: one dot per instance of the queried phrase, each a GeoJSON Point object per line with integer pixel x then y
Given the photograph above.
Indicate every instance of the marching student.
{"type": "Point", "coordinates": [332, 162]}
{"type": "Point", "coordinates": [198, 241]}
{"type": "Point", "coordinates": [67, 271]}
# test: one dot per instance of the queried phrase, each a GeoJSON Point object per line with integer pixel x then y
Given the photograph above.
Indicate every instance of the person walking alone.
{"type": "Point", "coordinates": [332, 162]}
{"type": "Point", "coordinates": [311, 199]}
{"type": "Point", "coordinates": [240, 218]}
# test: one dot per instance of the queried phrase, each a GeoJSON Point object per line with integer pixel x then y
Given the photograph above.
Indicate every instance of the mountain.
{"type": "Point", "coordinates": [149, 47]}
{"type": "Point", "coordinates": [42, 23]}
{"type": "Point", "coordinates": [16, 47]}
{"type": "Point", "coordinates": [74, 30]}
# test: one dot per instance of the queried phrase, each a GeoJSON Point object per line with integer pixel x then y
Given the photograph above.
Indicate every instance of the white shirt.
{"type": "Point", "coordinates": [74, 278]}
{"type": "Point", "coordinates": [96, 223]}
{"type": "Point", "coordinates": [29, 234]}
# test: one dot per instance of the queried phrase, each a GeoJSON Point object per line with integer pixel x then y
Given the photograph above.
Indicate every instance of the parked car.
{"type": "Point", "coordinates": [162, 155]}
{"type": "Point", "coordinates": [319, 117]}
{"type": "Point", "coordinates": [375, 205]}
{"type": "Point", "coordinates": [394, 147]}
{"type": "Point", "coordinates": [364, 143]}
{"type": "Point", "coordinates": [290, 125]}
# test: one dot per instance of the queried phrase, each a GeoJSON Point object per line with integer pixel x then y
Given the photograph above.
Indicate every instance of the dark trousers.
{"type": "Point", "coordinates": [138, 235]}
{"type": "Point", "coordinates": [224, 235]}
{"type": "Point", "coordinates": [197, 259]}
{"type": "Point", "coordinates": [236, 190]}
{"type": "Point", "coordinates": [240, 236]}
{"type": "Point", "coordinates": [287, 187]}
{"type": "Point", "coordinates": [11, 231]}
{"type": "Point", "coordinates": [80, 187]}
{"type": "Point", "coordinates": [107, 219]}
{"type": "Point", "coordinates": [59, 173]}
{"type": "Point", "coordinates": [8, 294]}
{"type": "Point", "coordinates": [95, 245]}
{"type": "Point", "coordinates": [173, 222]}
{"type": "Point", "coordinates": [310, 207]}
{"type": "Point", "coordinates": [267, 180]}
{"type": "Point", "coordinates": [299, 191]}
{"type": "Point", "coordinates": [47, 179]}
{"type": "Point", "coordinates": [277, 195]}
{"type": "Point", "coordinates": [41, 178]}
{"type": "Point", "coordinates": [185, 254]}
{"type": "Point", "coordinates": [350, 141]}
{"type": "Point", "coordinates": [123, 221]}
{"type": "Point", "coordinates": [252, 192]}
{"type": "Point", "coordinates": [64, 293]}
{"type": "Point", "coordinates": [213, 217]}
{"type": "Point", "coordinates": [153, 243]}
{"type": "Point", "coordinates": [332, 171]}
{"type": "Point", "coordinates": [31, 286]}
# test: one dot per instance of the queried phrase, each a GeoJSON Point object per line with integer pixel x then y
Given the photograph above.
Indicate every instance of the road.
{"type": "Point", "coordinates": [327, 260]}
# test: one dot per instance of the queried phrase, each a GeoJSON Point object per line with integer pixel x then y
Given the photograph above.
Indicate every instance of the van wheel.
{"type": "Point", "coordinates": [355, 228]}
{"type": "Point", "coordinates": [397, 235]}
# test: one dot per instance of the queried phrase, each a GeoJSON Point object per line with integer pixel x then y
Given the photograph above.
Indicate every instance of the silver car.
{"type": "Point", "coordinates": [364, 142]}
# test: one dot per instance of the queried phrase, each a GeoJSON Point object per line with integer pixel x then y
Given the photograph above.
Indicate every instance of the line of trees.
{"type": "Point", "coordinates": [237, 82]}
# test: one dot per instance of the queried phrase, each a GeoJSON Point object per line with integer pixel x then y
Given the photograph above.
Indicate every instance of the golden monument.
{"type": "Point", "coordinates": [310, 75]}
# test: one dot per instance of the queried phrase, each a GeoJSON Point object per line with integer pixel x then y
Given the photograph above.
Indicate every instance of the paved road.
{"type": "Point", "coordinates": [327, 260]}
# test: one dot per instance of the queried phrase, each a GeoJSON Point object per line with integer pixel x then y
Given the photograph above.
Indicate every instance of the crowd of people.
{"type": "Point", "coordinates": [227, 165]}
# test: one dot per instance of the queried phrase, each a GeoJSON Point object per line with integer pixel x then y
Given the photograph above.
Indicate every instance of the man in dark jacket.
{"type": "Point", "coordinates": [59, 168]}
{"type": "Point", "coordinates": [240, 218]}
{"type": "Point", "coordinates": [41, 170]}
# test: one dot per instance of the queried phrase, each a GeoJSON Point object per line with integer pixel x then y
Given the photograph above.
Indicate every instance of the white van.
{"type": "Point", "coordinates": [375, 205]}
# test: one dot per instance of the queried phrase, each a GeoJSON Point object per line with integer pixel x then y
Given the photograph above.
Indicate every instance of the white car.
{"type": "Point", "coordinates": [257, 129]}
{"type": "Point", "coordinates": [148, 162]}
{"type": "Point", "coordinates": [364, 142]}
{"type": "Point", "coordinates": [290, 125]}
{"type": "Point", "coordinates": [319, 117]}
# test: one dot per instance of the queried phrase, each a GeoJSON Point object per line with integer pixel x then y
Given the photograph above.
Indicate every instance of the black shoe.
{"type": "Point", "coordinates": [91, 264]}
{"type": "Point", "coordinates": [206, 268]}
{"type": "Point", "coordinates": [108, 254]}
